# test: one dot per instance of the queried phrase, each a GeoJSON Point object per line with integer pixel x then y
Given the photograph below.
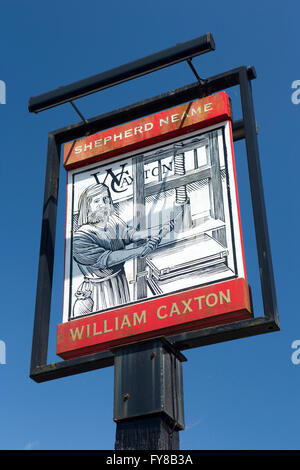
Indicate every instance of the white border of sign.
{"type": "Point", "coordinates": [233, 203]}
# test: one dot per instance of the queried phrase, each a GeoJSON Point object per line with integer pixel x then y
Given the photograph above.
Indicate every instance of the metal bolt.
{"type": "Point", "coordinates": [125, 398]}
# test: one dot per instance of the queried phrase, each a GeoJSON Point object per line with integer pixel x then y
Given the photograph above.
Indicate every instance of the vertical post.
{"type": "Point", "coordinates": [216, 187]}
{"type": "Point", "coordinates": [46, 260]}
{"type": "Point", "coordinates": [148, 396]}
{"type": "Point", "coordinates": [139, 222]}
{"type": "Point", "coordinates": [258, 201]}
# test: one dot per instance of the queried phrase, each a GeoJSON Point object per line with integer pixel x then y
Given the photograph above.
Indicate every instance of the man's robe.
{"type": "Point", "coordinates": [103, 286]}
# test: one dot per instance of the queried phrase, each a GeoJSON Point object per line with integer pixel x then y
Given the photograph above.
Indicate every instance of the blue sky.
{"type": "Point", "coordinates": [238, 395]}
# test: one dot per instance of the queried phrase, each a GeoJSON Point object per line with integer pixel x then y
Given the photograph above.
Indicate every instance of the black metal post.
{"type": "Point", "coordinates": [46, 260]}
{"type": "Point", "coordinates": [258, 201]}
{"type": "Point", "coordinates": [148, 396]}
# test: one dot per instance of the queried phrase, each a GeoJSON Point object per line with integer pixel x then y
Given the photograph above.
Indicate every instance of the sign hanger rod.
{"type": "Point", "coordinates": [200, 80]}
{"type": "Point", "coordinates": [79, 113]}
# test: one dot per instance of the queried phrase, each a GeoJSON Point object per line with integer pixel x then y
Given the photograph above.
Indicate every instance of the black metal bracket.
{"type": "Point", "coordinates": [201, 81]}
{"type": "Point", "coordinates": [156, 365]}
{"type": "Point", "coordinates": [78, 112]}
{"type": "Point", "coordinates": [244, 129]}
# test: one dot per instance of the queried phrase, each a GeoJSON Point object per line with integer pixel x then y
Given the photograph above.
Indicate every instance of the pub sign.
{"type": "Point", "coordinates": [153, 242]}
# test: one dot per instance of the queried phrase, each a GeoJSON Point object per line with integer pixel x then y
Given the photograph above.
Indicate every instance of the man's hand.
{"type": "Point", "coordinates": [150, 245]}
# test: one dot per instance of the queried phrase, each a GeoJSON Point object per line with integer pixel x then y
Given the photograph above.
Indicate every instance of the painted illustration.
{"type": "Point", "coordinates": [153, 223]}
{"type": "Point", "coordinates": [102, 244]}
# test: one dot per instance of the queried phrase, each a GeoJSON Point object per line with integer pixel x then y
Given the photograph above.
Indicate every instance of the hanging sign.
{"type": "Point", "coordinates": [153, 233]}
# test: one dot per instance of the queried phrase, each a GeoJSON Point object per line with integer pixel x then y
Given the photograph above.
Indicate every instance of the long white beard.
{"type": "Point", "coordinates": [99, 217]}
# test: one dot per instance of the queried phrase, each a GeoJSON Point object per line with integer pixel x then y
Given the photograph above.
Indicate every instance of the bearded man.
{"type": "Point", "coordinates": [99, 248]}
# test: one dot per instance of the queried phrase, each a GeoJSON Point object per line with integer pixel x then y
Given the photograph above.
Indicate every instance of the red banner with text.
{"type": "Point", "coordinates": [148, 130]}
{"type": "Point", "coordinates": [185, 311]}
